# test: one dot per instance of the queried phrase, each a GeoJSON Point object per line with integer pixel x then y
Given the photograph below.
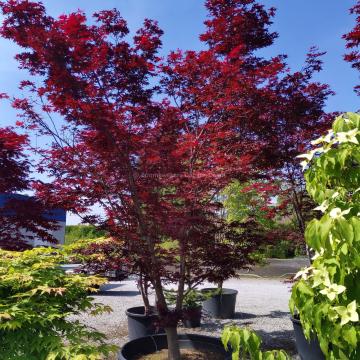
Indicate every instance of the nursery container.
{"type": "Point", "coordinates": [139, 324]}
{"type": "Point", "coordinates": [307, 350]}
{"type": "Point", "coordinates": [222, 305]}
{"type": "Point", "coordinates": [150, 344]}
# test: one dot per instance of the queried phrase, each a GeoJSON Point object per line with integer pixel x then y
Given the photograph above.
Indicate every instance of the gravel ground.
{"type": "Point", "coordinates": [262, 304]}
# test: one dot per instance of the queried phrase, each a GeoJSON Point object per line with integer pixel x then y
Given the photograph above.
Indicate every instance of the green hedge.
{"type": "Point", "coordinates": [74, 233]}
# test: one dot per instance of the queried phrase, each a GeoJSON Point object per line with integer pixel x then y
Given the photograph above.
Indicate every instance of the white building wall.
{"type": "Point", "coordinates": [58, 234]}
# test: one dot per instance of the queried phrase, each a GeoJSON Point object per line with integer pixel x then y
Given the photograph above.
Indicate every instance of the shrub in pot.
{"type": "Point", "coordinates": [37, 298]}
{"type": "Point", "coordinates": [192, 306]}
{"type": "Point", "coordinates": [235, 243]}
{"type": "Point", "coordinates": [143, 320]}
{"type": "Point", "coordinates": [220, 302]}
{"type": "Point", "coordinates": [192, 309]}
{"type": "Point", "coordinates": [327, 294]}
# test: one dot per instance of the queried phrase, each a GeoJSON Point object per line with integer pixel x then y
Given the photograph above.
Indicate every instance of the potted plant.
{"type": "Point", "coordinates": [326, 296]}
{"type": "Point", "coordinates": [220, 303]}
{"type": "Point", "coordinates": [143, 320]}
{"type": "Point", "coordinates": [236, 242]}
{"type": "Point", "coordinates": [152, 141]}
{"type": "Point", "coordinates": [192, 306]}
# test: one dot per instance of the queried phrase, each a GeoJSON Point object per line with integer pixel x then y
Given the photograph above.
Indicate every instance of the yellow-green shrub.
{"type": "Point", "coordinates": [36, 299]}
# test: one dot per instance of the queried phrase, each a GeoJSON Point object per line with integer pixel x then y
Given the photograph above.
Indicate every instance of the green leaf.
{"type": "Point", "coordinates": [292, 305]}
{"type": "Point", "coordinates": [324, 345]}
{"type": "Point", "coordinates": [304, 288]}
{"type": "Point", "coordinates": [355, 222]}
{"type": "Point", "coordinates": [344, 248]}
{"type": "Point", "coordinates": [350, 336]}
{"type": "Point", "coordinates": [235, 344]}
{"type": "Point", "coordinates": [342, 156]}
{"type": "Point", "coordinates": [225, 337]}
{"type": "Point", "coordinates": [80, 357]}
{"type": "Point", "coordinates": [325, 226]}
{"type": "Point", "coordinates": [345, 229]}
{"type": "Point", "coordinates": [312, 234]}
{"type": "Point", "coordinates": [254, 343]}
{"type": "Point", "coordinates": [338, 124]}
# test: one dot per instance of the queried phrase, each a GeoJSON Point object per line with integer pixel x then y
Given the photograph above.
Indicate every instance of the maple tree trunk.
{"type": "Point", "coordinates": [171, 331]}
{"type": "Point", "coordinates": [173, 344]}
{"type": "Point", "coordinates": [143, 287]}
{"type": "Point", "coordinates": [301, 222]}
{"type": "Point", "coordinates": [181, 285]}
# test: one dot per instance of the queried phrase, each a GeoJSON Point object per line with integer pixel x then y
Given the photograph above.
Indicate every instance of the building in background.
{"type": "Point", "coordinates": [56, 215]}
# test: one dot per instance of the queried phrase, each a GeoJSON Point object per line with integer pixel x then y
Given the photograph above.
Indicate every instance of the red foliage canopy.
{"type": "Point", "coordinates": [157, 166]}
{"type": "Point", "coordinates": [353, 42]}
{"type": "Point", "coordinates": [14, 167]}
{"type": "Point", "coordinates": [21, 219]}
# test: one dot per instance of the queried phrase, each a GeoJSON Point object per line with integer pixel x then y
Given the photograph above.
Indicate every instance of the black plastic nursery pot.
{"type": "Point", "coordinates": [151, 344]}
{"type": "Point", "coordinates": [140, 325]}
{"type": "Point", "coordinates": [307, 350]}
{"type": "Point", "coordinates": [222, 305]}
{"type": "Point", "coordinates": [192, 317]}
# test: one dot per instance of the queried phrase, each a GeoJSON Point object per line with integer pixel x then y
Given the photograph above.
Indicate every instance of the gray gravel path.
{"type": "Point", "coordinates": [262, 305]}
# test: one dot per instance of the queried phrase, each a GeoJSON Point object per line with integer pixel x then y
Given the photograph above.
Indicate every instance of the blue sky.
{"type": "Point", "coordinates": [300, 23]}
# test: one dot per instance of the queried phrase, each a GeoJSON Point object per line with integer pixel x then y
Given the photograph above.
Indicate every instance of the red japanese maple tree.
{"type": "Point", "coordinates": [353, 42]}
{"type": "Point", "coordinates": [271, 109]}
{"type": "Point", "coordinates": [155, 141]}
{"type": "Point", "coordinates": [21, 219]}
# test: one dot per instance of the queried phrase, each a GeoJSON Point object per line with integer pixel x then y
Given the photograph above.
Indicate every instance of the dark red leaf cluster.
{"type": "Point", "coordinates": [353, 42]}
{"type": "Point", "coordinates": [21, 220]}
{"type": "Point", "coordinates": [14, 167]}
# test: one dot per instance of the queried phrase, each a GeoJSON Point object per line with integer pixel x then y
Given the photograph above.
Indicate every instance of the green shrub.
{"type": "Point", "coordinates": [74, 233]}
{"type": "Point", "coordinates": [245, 344]}
{"type": "Point", "coordinates": [36, 299]}
{"type": "Point", "coordinates": [192, 298]}
{"type": "Point", "coordinates": [328, 293]}
{"type": "Point", "coordinates": [283, 249]}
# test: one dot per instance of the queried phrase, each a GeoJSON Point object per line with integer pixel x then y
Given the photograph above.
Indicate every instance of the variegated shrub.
{"type": "Point", "coordinates": [327, 295]}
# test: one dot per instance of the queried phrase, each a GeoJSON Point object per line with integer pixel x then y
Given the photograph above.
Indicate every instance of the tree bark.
{"type": "Point", "coordinates": [173, 344]}
{"type": "Point", "coordinates": [301, 221]}
{"type": "Point", "coordinates": [143, 287]}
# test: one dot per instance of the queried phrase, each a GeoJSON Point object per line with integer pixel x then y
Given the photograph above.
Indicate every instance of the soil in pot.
{"type": "Point", "coordinates": [186, 354]}
{"type": "Point", "coordinates": [192, 344]}
{"type": "Point", "coordinates": [307, 350]}
{"type": "Point", "coordinates": [140, 325]}
{"type": "Point", "coordinates": [222, 304]}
